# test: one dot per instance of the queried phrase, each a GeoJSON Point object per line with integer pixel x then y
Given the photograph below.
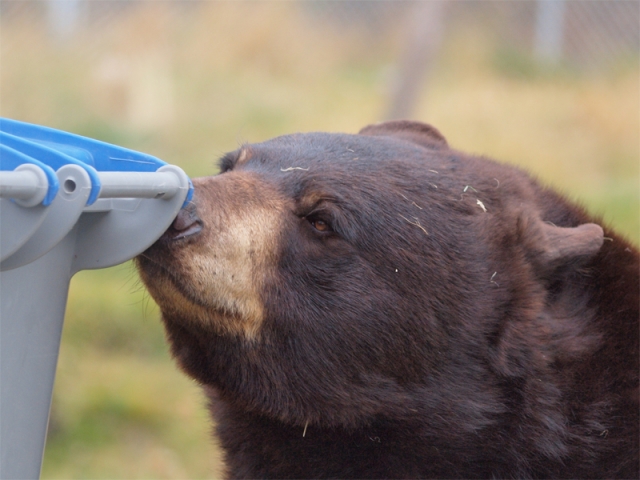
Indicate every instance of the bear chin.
{"type": "Point", "coordinates": [381, 305]}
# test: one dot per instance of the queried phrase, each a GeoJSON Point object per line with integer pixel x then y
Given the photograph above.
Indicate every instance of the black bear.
{"type": "Point", "coordinates": [380, 305]}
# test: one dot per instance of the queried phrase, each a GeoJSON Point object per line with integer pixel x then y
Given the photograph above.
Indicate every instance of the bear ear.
{"type": "Point", "coordinates": [415, 132]}
{"type": "Point", "coordinates": [552, 247]}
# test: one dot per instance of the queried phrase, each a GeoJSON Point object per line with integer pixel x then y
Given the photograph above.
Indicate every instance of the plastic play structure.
{"type": "Point", "coordinates": [67, 203]}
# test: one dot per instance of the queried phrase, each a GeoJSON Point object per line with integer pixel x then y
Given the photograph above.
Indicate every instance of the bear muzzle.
{"type": "Point", "coordinates": [186, 224]}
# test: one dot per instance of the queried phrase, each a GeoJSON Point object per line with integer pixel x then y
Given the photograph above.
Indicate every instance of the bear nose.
{"type": "Point", "coordinates": [186, 224]}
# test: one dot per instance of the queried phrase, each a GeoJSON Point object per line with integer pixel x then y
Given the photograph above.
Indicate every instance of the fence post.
{"type": "Point", "coordinates": [63, 18]}
{"type": "Point", "coordinates": [549, 30]}
{"type": "Point", "coordinates": [425, 26]}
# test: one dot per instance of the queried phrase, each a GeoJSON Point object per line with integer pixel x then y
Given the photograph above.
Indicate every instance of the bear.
{"type": "Point", "coordinates": [381, 305]}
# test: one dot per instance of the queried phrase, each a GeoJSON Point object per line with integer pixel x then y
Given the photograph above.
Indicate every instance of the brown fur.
{"type": "Point", "coordinates": [380, 305]}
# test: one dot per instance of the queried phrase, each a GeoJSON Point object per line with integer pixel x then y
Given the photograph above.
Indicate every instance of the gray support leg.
{"type": "Point", "coordinates": [34, 298]}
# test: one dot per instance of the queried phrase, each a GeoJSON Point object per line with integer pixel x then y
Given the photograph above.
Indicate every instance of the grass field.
{"type": "Point", "coordinates": [191, 88]}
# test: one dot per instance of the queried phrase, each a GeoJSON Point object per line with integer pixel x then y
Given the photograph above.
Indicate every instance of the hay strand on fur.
{"type": "Point", "coordinates": [416, 223]}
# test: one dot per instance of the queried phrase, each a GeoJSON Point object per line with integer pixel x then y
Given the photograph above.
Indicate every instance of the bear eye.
{"type": "Point", "coordinates": [320, 225]}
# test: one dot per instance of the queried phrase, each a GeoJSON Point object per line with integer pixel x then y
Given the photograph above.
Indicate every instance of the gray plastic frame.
{"type": "Point", "coordinates": [41, 248]}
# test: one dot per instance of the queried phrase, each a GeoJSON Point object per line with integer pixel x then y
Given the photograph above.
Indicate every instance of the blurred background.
{"type": "Point", "coordinates": [552, 86]}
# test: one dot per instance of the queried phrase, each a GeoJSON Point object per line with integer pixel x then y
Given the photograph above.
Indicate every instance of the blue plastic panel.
{"type": "Point", "coordinates": [53, 158]}
{"type": "Point", "coordinates": [11, 159]}
{"type": "Point", "coordinates": [92, 154]}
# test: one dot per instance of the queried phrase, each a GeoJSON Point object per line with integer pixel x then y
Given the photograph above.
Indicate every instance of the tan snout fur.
{"type": "Point", "coordinates": [219, 276]}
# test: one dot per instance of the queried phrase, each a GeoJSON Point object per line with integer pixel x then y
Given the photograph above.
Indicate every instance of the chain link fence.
{"type": "Point", "coordinates": [588, 36]}
{"type": "Point", "coordinates": [588, 33]}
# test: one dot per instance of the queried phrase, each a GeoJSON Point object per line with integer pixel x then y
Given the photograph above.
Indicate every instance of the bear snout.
{"type": "Point", "coordinates": [186, 224]}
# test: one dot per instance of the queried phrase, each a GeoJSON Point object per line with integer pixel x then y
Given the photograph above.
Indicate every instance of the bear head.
{"type": "Point", "coordinates": [328, 279]}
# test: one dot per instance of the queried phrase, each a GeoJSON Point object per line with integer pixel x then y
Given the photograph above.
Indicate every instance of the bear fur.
{"type": "Point", "coordinates": [382, 306]}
